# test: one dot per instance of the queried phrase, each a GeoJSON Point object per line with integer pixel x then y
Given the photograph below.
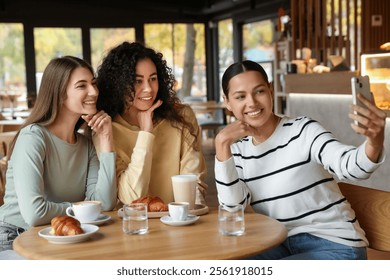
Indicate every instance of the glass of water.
{"type": "Point", "coordinates": [135, 218]}
{"type": "Point", "coordinates": [231, 220]}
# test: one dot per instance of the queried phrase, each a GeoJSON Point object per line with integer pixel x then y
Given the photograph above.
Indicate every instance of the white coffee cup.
{"type": "Point", "coordinates": [178, 211]}
{"type": "Point", "coordinates": [85, 211]}
{"type": "Point", "coordinates": [184, 188]}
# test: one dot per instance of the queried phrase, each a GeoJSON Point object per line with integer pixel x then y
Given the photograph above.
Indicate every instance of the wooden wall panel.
{"type": "Point", "coordinates": [314, 25]}
{"type": "Point", "coordinates": [328, 28]}
{"type": "Point", "coordinates": [374, 36]}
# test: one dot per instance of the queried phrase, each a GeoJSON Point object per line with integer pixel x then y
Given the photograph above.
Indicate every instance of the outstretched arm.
{"type": "Point", "coordinates": [373, 122]}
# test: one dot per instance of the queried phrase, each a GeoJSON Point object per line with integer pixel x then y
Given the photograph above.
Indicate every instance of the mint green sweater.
{"type": "Point", "coordinates": [46, 174]}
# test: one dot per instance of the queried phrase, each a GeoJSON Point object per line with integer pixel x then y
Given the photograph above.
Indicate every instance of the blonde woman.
{"type": "Point", "coordinates": [51, 165]}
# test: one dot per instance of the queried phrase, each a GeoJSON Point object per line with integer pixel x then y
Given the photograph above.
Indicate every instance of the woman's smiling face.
{"type": "Point", "coordinates": [250, 98]}
{"type": "Point", "coordinates": [146, 85]}
{"type": "Point", "coordinates": [81, 92]}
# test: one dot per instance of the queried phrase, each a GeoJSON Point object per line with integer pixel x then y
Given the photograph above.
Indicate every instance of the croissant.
{"type": "Point", "coordinates": [65, 225]}
{"type": "Point", "coordinates": [155, 204]}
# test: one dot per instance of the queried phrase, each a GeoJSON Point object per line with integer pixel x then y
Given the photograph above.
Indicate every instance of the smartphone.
{"type": "Point", "coordinates": [360, 85]}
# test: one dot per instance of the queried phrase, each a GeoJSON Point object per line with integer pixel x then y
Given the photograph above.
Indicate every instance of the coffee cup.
{"type": "Point", "coordinates": [85, 211]}
{"type": "Point", "coordinates": [178, 211]}
{"type": "Point", "coordinates": [292, 68]}
{"type": "Point", "coordinates": [184, 189]}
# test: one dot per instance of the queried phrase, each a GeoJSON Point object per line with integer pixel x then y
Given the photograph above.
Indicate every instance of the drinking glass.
{"type": "Point", "coordinates": [135, 218]}
{"type": "Point", "coordinates": [231, 220]}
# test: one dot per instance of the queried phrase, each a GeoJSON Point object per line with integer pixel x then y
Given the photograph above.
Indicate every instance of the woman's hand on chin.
{"type": "Point", "coordinates": [145, 118]}
{"type": "Point", "coordinates": [101, 125]}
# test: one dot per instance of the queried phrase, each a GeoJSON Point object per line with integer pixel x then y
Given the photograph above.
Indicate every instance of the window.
{"type": "Point", "coordinates": [225, 42]}
{"type": "Point", "coordinates": [258, 44]}
{"type": "Point", "coordinates": [103, 39]}
{"type": "Point", "coordinates": [12, 64]}
{"type": "Point", "coordinates": [55, 42]}
{"type": "Point", "coordinates": [181, 52]}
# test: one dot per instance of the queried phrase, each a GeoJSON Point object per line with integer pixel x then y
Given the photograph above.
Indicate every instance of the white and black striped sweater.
{"type": "Point", "coordinates": [291, 177]}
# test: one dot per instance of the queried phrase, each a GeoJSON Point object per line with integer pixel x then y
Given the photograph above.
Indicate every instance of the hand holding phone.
{"type": "Point", "coordinates": [360, 85]}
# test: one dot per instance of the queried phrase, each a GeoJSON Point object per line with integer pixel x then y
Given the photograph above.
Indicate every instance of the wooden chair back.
{"type": "Point", "coordinates": [210, 115]}
{"type": "Point", "coordinates": [372, 208]}
{"type": "Point", "coordinates": [5, 141]}
{"type": "Point", "coordinates": [3, 168]}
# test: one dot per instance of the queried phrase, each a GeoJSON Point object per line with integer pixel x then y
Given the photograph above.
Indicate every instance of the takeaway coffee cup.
{"type": "Point", "coordinates": [292, 68]}
{"type": "Point", "coordinates": [184, 189]}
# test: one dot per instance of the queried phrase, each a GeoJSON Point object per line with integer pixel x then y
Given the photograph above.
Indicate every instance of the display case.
{"type": "Point", "coordinates": [377, 67]}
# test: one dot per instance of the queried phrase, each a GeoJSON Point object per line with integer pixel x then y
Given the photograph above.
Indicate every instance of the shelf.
{"type": "Point", "coordinates": [282, 57]}
{"type": "Point", "coordinates": [333, 82]}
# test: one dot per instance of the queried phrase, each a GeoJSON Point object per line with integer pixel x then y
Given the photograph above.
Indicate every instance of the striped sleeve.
{"type": "Point", "coordinates": [231, 189]}
{"type": "Point", "coordinates": [343, 161]}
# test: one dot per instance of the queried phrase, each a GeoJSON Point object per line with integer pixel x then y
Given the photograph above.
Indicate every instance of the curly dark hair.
{"type": "Point", "coordinates": [116, 78]}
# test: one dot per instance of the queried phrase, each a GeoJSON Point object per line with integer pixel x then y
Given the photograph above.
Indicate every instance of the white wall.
{"type": "Point", "coordinates": [331, 110]}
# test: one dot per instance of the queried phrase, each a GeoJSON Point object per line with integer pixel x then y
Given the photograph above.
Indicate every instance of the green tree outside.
{"type": "Point", "coordinates": [12, 64]}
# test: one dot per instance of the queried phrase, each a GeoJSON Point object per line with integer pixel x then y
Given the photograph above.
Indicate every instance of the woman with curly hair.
{"type": "Point", "coordinates": [155, 136]}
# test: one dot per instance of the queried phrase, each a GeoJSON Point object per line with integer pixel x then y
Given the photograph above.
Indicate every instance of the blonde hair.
{"type": "Point", "coordinates": [52, 92]}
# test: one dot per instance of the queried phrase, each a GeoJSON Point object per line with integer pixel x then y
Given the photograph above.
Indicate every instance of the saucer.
{"type": "Point", "coordinates": [199, 210]}
{"type": "Point", "coordinates": [190, 220]}
{"type": "Point", "coordinates": [88, 231]}
{"type": "Point", "coordinates": [100, 220]}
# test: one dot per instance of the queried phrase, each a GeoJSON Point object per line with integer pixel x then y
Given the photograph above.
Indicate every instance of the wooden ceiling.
{"type": "Point", "coordinates": [101, 11]}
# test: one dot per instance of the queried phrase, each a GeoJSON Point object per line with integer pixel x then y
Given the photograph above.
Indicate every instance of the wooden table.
{"type": "Point", "coordinates": [5, 140]}
{"type": "Point", "coordinates": [23, 114]}
{"type": "Point", "coordinates": [210, 108]}
{"type": "Point", "coordinates": [200, 240]}
{"type": "Point", "coordinates": [10, 125]}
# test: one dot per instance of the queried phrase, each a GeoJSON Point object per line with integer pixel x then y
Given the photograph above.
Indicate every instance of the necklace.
{"type": "Point", "coordinates": [257, 142]}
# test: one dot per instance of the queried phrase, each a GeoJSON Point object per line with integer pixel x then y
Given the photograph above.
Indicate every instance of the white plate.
{"type": "Point", "coordinates": [199, 210]}
{"type": "Point", "coordinates": [88, 231]}
{"type": "Point", "coordinates": [190, 220]}
{"type": "Point", "coordinates": [100, 220]}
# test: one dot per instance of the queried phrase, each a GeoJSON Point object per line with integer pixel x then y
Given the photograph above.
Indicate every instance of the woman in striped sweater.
{"type": "Point", "coordinates": [287, 168]}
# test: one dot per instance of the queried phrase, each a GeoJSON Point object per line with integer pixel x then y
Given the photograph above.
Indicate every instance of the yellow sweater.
{"type": "Point", "coordinates": [146, 161]}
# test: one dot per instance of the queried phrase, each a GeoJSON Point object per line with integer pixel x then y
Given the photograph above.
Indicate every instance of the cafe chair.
{"type": "Point", "coordinates": [2, 190]}
{"type": "Point", "coordinates": [211, 123]}
{"type": "Point", "coordinates": [5, 141]}
{"type": "Point", "coordinates": [3, 153]}
{"type": "Point", "coordinates": [210, 116]}
{"type": "Point", "coordinates": [3, 169]}
{"type": "Point", "coordinates": [372, 208]}
{"type": "Point", "coordinates": [194, 99]}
